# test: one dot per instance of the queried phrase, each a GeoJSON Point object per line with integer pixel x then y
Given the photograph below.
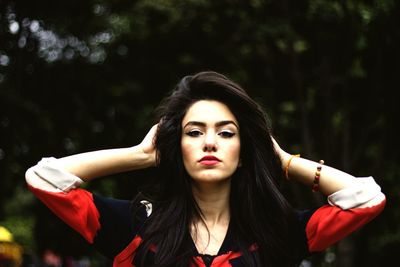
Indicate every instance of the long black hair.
{"type": "Point", "coordinates": [260, 215]}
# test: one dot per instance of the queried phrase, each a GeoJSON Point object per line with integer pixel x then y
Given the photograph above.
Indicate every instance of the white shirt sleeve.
{"type": "Point", "coordinates": [50, 176]}
{"type": "Point", "coordinates": [362, 192]}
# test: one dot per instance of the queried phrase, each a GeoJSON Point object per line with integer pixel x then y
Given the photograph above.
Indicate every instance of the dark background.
{"type": "Point", "coordinates": [77, 76]}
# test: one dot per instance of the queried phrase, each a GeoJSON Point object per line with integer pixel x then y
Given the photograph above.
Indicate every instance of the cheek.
{"type": "Point", "coordinates": [188, 157]}
{"type": "Point", "coordinates": [187, 151]}
{"type": "Point", "coordinates": [237, 157]}
{"type": "Point", "coordinates": [234, 151]}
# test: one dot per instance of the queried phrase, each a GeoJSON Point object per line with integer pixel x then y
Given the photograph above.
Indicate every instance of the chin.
{"type": "Point", "coordinates": [211, 178]}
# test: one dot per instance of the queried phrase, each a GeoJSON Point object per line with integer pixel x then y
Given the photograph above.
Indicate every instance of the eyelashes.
{"type": "Point", "coordinates": [226, 134]}
{"type": "Point", "coordinates": [194, 133]}
{"type": "Point", "coordinates": [223, 134]}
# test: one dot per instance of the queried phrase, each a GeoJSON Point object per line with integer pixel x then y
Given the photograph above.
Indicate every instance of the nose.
{"type": "Point", "coordinates": [210, 142]}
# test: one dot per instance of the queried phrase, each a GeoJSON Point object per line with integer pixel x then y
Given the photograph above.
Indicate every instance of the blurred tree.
{"type": "Point", "coordinates": [83, 75]}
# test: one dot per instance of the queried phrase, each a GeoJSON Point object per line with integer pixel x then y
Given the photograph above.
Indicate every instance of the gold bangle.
{"type": "Point", "coordinates": [288, 164]}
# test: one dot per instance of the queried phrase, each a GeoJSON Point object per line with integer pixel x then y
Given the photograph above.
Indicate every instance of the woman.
{"type": "Point", "coordinates": [215, 201]}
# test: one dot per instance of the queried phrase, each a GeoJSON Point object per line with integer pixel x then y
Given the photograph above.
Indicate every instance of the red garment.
{"type": "Point", "coordinates": [106, 223]}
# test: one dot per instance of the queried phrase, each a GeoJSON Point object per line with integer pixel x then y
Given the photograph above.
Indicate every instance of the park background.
{"type": "Point", "coordinates": [77, 76]}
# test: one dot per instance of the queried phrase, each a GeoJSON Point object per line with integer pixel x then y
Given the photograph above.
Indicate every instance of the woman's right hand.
{"type": "Point", "coordinates": [148, 145]}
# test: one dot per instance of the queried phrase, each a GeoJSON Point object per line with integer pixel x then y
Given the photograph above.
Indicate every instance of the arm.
{"type": "Point", "coordinates": [66, 173]}
{"type": "Point", "coordinates": [55, 182]}
{"type": "Point", "coordinates": [110, 161]}
{"type": "Point", "coordinates": [105, 162]}
{"type": "Point", "coordinates": [303, 171]}
{"type": "Point", "coordinates": [353, 201]}
{"type": "Point", "coordinates": [343, 190]}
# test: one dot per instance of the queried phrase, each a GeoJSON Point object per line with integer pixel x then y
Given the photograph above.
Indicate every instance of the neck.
{"type": "Point", "coordinates": [213, 201]}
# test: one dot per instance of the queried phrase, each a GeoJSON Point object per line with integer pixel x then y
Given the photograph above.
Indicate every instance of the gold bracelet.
{"type": "Point", "coordinates": [288, 164]}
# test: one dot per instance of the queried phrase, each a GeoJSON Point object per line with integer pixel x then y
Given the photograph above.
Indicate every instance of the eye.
{"type": "Point", "coordinates": [226, 134]}
{"type": "Point", "coordinates": [194, 133]}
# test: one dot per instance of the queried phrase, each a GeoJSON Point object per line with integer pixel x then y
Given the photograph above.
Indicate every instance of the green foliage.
{"type": "Point", "coordinates": [22, 229]}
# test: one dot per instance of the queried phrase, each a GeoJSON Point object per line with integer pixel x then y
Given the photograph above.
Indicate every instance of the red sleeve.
{"type": "Point", "coordinates": [330, 224]}
{"type": "Point", "coordinates": [76, 208]}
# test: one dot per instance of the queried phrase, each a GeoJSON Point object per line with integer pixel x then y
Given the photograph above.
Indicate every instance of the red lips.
{"type": "Point", "coordinates": [209, 160]}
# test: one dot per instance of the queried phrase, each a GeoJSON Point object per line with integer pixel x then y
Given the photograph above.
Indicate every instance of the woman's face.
{"type": "Point", "coordinates": [210, 141]}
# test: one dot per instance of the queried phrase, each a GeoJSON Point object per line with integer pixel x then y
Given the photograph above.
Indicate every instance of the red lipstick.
{"type": "Point", "coordinates": [209, 160]}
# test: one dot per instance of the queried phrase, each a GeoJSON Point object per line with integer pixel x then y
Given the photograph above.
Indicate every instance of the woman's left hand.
{"type": "Point", "coordinates": [279, 151]}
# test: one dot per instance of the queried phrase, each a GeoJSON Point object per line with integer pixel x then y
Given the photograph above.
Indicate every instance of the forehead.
{"type": "Point", "coordinates": [208, 111]}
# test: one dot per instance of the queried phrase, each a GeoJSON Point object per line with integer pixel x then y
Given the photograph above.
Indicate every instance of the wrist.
{"type": "Point", "coordinates": [285, 157]}
{"type": "Point", "coordinates": [140, 158]}
{"type": "Point", "coordinates": [288, 161]}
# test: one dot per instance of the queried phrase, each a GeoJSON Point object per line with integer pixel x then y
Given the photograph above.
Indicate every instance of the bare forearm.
{"type": "Point", "coordinates": [67, 173]}
{"type": "Point", "coordinates": [303, 170]}
{"type": "Point", "coordinates": [99, 163]}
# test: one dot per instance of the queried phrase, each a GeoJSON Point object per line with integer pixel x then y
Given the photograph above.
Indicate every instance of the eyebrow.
{"type": "Point", "coordinates": [217, 124]}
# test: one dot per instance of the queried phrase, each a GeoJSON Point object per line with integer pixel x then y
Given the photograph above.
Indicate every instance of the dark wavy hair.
{"type": "Point", "coordinates": [259, 212]}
